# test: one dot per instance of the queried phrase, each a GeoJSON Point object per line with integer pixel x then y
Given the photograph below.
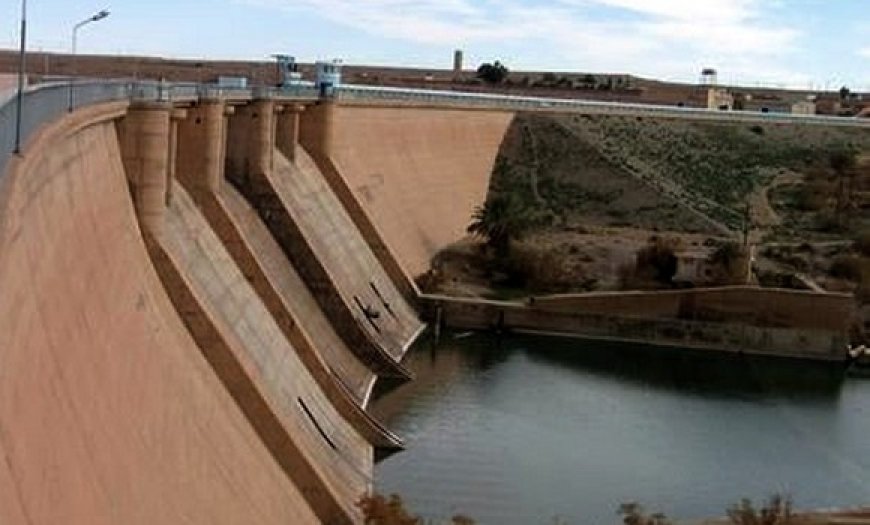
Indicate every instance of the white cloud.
{"type": "Point", "coordinates": [654, 37]}
{"type": "Point", "coordinates": [865, 52]}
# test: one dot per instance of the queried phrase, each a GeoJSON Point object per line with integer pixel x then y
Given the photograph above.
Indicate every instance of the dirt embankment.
{"type": "Point", "coordinates": [607, 185]}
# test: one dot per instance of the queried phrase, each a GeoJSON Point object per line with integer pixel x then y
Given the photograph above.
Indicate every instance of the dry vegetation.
{"type": "Point", "coordinates": [622, 194]}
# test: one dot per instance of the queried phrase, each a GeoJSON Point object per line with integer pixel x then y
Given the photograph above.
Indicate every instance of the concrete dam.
{"type": "Point", "coordinates": [192, 319]}
{"type": "Point", "coordinates": [199, 288]}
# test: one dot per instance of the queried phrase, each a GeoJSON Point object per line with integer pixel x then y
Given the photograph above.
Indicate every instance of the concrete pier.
{"type": "Point", "coordinates": [146, 155]}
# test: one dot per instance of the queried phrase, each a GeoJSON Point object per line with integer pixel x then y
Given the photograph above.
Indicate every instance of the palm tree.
{"type": "Point", "coordinates": [500, 220]}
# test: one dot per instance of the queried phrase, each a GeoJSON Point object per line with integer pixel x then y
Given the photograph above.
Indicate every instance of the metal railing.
{"type": "Point", "coordinates": [349, 92]}
{"type": "Point", "coordinates": [44, 103]}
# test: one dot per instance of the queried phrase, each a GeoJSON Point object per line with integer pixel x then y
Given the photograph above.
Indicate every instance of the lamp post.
{"type": "Point", "coordinates": [22, 57]}
{"type": "Point", "coordinates": [94, 18]}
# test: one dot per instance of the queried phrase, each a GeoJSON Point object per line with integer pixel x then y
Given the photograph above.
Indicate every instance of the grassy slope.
{"type": "Point", "coordinates": [675, 175]}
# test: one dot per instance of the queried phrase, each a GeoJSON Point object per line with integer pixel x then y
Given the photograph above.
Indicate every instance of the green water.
{"type": "Point", "coordinates": [524, 430]}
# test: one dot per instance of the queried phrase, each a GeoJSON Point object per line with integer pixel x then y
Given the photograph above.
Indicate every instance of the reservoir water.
{"type": "Point", "coordinates": [538, 430]}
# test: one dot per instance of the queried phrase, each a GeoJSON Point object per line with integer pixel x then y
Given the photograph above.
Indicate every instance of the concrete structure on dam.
{"type": "Point", "coordinates": [200, 287]}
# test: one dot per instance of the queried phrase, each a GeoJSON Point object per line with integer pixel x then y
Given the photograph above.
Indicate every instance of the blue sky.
{"type": "Point", "coordinates": [798, 43]}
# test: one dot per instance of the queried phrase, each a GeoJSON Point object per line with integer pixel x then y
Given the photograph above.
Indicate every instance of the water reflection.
{"type": "Point", "coordinates": [690, 372]}
{"type": "Point", "coordinates": [522, 429]}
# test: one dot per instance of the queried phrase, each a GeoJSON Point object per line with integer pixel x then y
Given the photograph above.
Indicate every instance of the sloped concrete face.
{"type": "Point", "coordinates": [342, 377]}
{"type": "Point", "coordinates": [416, 173]}
{"type": "Point", "coordinates": [108, 411]}
{"type": "Point", "coordinates": [317, 235]}
{"type": "Point", "coordinates": [332, 234]}
{"type": "Point", "coordinates": [321, 452]}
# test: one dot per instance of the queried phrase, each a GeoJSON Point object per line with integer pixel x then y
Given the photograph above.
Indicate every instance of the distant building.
{"type": "Point", "coordinates": [458, 58]}
{"type": "Point", "coordinates": [762, 104]}
{"type": "Point", "coordinates": [720, 98]}
{"type": "Point", "coordinates": [804, 107]}
{"type": "Point", "coordinates": [699, 267]}
{"type": "Point", "coordinates": [693, 267]}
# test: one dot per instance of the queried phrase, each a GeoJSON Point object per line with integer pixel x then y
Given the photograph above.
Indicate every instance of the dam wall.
{"type": "Point", "coordinates": [194, 308]}
{"type": "Point", "coordinates": [411, 177]}
{"type": "Point", "coordinates": [175, 352]}
{"type": "Point", "coordinates": [110, 413]}
{"type": "Point", "coordinates": [746, 304]}
{"type": "Point", "coordinates": [739, 319]}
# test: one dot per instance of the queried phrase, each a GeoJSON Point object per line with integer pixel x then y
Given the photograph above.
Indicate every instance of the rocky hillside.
{"type": "Point", "coordinates": [679, 176]}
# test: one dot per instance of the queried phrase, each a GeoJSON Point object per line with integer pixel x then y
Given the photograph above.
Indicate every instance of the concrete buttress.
{"type": "Point", "coordinates": [146, 156]}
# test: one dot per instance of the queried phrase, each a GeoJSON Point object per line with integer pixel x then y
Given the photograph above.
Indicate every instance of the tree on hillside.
{"type": "Point", "coordinates": [500, 220]}
{"type": "Point", "coordinates": [843, 163]}
{"type": "Point", "coordinates": [493, 73]}
{"type": "Point", "coordinates": [845, 93]}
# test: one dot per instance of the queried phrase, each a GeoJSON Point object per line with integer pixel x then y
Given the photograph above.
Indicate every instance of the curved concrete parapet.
{"type": "Point", "coordinates": [108, 411]}
{"type": "Point", "coordinates": [319, 450]}
{"type": "Point", "coordinates": [416, 174]}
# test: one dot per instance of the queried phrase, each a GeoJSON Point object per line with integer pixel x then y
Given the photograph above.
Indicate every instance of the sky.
{"type": "Point", "coordinates": [813, 44]}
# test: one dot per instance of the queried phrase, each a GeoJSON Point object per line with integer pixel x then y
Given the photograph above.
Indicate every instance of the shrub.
{"type": "Point", "coordinates": [541, 270]}
{"type": "Point", "coordinates": [493, 73]}
{"type": "Point", "coordinates": [846, 267]}
{"type": "Point", "coordinates": [813, 197]}
{"type": "Point", "coordinates": [634, 514]}
{"type": "Point", "coordinates": [380, 510]}
{"type": "Point", "coordinates": [862, 244]}
{"type": "Point", "coordinates": [730, 257]}
{"type": "Point", "coordinates": [777, 511]}
{"type": "Point", "coordinates": [827, 221]}
{"type": "Point", "coordinates": [658, 260]}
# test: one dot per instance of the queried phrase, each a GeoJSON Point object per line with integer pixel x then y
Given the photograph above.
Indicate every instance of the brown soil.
{"type": "Point", "coordinates": [588, 258]}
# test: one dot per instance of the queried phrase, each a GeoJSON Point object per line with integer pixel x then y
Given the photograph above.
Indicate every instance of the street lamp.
{"type": "Point", "coordinates": [19, 101]}
{"type": "Point", "coordinates": [94, 18]}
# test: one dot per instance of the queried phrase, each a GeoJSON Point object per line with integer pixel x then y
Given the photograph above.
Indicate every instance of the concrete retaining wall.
{"type": "Point", "coordinates": [809, 343]}
{"type": "Point", "coordinates": [745, 304]}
